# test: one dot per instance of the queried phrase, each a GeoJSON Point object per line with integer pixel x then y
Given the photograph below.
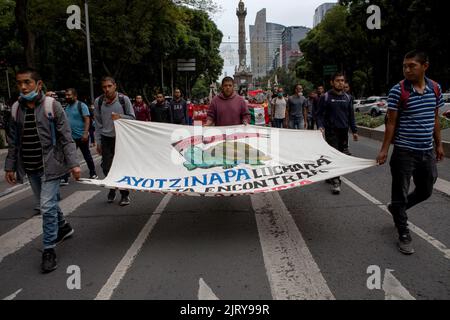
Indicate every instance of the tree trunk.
{"type": "Point", "coordinates": [27, 36]}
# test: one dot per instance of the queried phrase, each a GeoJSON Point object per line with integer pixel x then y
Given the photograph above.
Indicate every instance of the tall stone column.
{"type": "Point", "coordinates": [241, 12]}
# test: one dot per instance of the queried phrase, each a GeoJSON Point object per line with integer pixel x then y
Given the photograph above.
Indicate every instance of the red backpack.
{"type": "Point", "coordinates": [405, 93]}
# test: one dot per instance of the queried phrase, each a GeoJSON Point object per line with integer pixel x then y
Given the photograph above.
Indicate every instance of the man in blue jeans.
{"type": "Point", "coordinates": [41, 147]}
{"type": "Point", "coordinates": [79, 119]}
{"type": "Point", "coordinates": [414, 129]}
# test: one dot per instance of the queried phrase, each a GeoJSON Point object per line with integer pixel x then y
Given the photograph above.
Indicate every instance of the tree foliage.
{"type": "Point", "coordinates": [372, 59]}
{"type": "Point", "coordinates": [131, 40]}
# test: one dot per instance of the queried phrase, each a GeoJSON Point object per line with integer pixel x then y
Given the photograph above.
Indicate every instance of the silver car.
{"type": "Point", "coordinates": [375, 106]}
{"type": "Point", "coordinates": [445, 110]}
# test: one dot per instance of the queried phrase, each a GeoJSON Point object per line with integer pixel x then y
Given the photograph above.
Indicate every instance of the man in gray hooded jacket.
{"type": "Point", "coordinates": [41, 147]}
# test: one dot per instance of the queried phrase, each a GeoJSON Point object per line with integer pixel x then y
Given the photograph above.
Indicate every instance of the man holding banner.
{"type": "Point", "coordinates": [335, 116]}
{"type": "Point", "coordinates": [228, 108]}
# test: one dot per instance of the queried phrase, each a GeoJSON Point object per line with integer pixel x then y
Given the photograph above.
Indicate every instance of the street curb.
{"type": "Point", "coordinates": [379, 136]}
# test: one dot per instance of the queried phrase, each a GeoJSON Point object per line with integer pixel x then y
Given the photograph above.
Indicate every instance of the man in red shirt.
{"type": "Point", "coordinates": [141, 110]}
{"type": "Point", "coordinates": [228, 108]}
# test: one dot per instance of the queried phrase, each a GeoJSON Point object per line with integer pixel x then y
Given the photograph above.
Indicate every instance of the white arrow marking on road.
{"type": "Point", "coordinates": [393, 288]}
{"type": "Point", "coordinates": [205, 293]}
{"type": "Point", "coordinates": [13, 296]}
{"type": "Point", "coordinates": [418, 231]}
{"type": "Point", "coordinates": [292, 272]}
{"type": "Point", "coordinates": [20, 236]}
{"type": "Point", "coordinates": [116, 277]}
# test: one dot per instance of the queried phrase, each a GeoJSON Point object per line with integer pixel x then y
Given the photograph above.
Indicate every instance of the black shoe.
{"type": "Point", "coordinates": [93, 177]}
{"type": "Point", "coordinates": [336, 189]}
{"type": "Point", "coordinates": [49, 262]}
{"type": "Point", "coordinates": [125, 201]}
{"type": "Point", "coordinates": [64, 232]}
{"type": "Point", "coordinates": [111, 196]}
{"type": "Point", "coordinates": [64, 182]}
{"type": "Point", "coordinates": [405, 244]}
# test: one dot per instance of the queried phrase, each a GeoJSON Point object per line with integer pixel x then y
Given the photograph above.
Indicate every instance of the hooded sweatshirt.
{"type": "Point", "coordinates": [231, 111]}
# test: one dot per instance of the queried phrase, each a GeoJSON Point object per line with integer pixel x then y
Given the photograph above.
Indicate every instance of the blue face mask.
{"type": "Point", "coordinates": [30, 96]}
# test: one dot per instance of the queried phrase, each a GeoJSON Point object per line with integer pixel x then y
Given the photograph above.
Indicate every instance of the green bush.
{"type": "Point", "coordinates": [445, 123]}
{"type": "Point", "coordinates": [368, 121]}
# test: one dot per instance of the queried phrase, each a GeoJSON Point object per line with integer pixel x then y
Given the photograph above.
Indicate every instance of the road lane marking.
{"type": "Point", "coordinates": [418, 231]}
{"type": "Point", "coordinates": [13, 296]}
{"type": "Point", "coordinates": [119, 273]}
{"type": "Point", "coordinates": [205, 293]}
{"type": "Point", "coordinates": [23, 234]}
{"type": "Point", "coordinates": [442, 186]}
{"type": "Point", "coordinates": [393, 289]}
{"type": "Point", "coordinates": [292, 272]}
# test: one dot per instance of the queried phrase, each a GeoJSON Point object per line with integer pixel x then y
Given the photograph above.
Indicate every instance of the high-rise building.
{"type": "Point", "coordinates": [290, 50]}
{"type": "Point", "coordinates": [265, 39]}
{"type": "Point", "coordinates": [321, 11]}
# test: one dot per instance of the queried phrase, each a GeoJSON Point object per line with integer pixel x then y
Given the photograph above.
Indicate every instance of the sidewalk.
{"type": "Point", "coordinates": [378, 134]}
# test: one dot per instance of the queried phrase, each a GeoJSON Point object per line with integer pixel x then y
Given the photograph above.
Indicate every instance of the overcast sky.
{"type": "Point", "coordinates": [285, 12]}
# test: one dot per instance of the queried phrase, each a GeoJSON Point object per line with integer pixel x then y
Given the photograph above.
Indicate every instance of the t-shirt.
{"type": "Point", "coordinates": [296, 104]}
{"type": "Point", "coordinates": [32, 154]}
{"type": "Point", "coordinates": [75, 119]}
{"type": "Point", "coordinates": [280, 108]}
{"type": "Point", "coordinates": [416, 124]}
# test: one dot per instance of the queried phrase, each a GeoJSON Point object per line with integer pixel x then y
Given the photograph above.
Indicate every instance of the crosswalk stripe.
{"type": "Point", "coordinates": [418, 231]}
{"type": "Point", "coordinates": [292, 272]}
{"type": "Point", "coordinates": [121, 269]}
{"type": "Point", "coordinates": [23, 234]}
{"type": "Point", "coordinates": [26, 186]}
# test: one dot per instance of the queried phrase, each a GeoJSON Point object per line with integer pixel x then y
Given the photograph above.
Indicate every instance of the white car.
{"type": "Point", "coordinates": [375, 106]}
{"type": "Point", "coordinates": [445, 110]}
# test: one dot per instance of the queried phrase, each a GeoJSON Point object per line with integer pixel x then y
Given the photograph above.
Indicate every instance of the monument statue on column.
{"type": "Point", "coordinates": [243, 75]}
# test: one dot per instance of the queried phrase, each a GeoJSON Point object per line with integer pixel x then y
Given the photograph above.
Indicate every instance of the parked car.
{"type": "Point", "coordinates": [445, 110]}
{"type": "Point", "coordinates": [375, 106]}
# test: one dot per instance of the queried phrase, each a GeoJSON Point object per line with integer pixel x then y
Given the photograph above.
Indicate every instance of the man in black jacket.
{"type": "Point", "coordinates": [335, 116]}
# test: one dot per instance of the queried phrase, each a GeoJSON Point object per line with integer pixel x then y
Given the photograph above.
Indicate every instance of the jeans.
{"type": "Point", "coordinates": [421, 166]}
{"type": "Point", "coordinates": [311, 123]}
{"type": "Point", "coordinates": [92, 134]}
{"type": "Point", "coordinates": [108, 151]}
{"type": "Point", "coordinates": [338, 139]}
{"type": "Point", "coordinates": [278, 123]}
{"type": "Point", "coordinates": [84, 148]}
{"type": "Point", "coordinates": [296, 122]}
{"type": "Point", "coordinates": [52, 217]}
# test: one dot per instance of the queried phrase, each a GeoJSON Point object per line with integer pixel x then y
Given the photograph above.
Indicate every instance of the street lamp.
{"type": "Point", "coordinates": [88, 41]}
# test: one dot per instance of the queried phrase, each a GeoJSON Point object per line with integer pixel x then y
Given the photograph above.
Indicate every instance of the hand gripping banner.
{"type": "Point", "coordinates": [221, 161]}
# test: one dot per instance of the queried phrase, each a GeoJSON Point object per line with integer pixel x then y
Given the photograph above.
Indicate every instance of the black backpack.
{"type": "Point", "coordinates": [121, 100]}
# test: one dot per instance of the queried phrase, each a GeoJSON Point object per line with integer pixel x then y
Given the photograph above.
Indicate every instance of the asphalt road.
{"type": "Point", "coordinates": [298, 244]}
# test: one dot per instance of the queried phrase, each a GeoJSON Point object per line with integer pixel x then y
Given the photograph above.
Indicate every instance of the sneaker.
{"type": "Point", "coordinates": [405, 244]}
{"type": "Point", "coordinates": [93, 177]}
{"type": "Point", "coordinates": [336, 189]}
{"type": "Point", "coordinates": [64, 232]}
{"type": "Point", "coordinates": [49, 262]}
{"type": "Point", "coordinates": [64, 182]}
{"type": "Point", "coordinates": [111, 196]}
{"type": "Point", "coordinates": [125, 201]}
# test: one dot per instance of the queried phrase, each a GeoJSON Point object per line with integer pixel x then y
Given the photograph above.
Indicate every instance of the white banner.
{"type": "Point", "coordinates": [221, 161]}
